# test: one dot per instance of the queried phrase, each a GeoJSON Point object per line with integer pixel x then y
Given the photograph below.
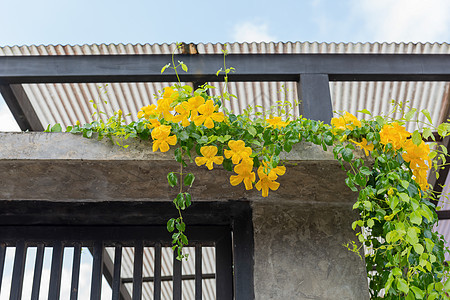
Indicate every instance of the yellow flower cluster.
{"type": "Point", "coordinates": [241, 157]}
{"type": "Point", "coordinates": [347, 121]}
{"type": "Point", "coordinates": [276, 122]}
{"type": "Point", "coordinates": [395, 134]}
{"type": "Point", "coordinates": [195, 109]}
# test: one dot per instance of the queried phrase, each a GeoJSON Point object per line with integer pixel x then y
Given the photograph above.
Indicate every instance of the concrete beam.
{"type": "Point", "coordinates": [67, 167]}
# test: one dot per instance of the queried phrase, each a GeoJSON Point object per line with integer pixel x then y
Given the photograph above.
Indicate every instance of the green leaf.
{"type": "Point", "coordinates": [370, 223]}
{"type": "Point", "coordinates": [171, 225]}
{"type": "Point", "coordinates": [203, 140]}
{"type": "Point", "coordinates": [366, 171]}
{"type": "Point", "coordinates": [164, 68]}
{"type": "Point", "coordinates": [418, 292]}
{"type": "Point", "coordinates": [404, 197]}
{"type": "Point", "coordinates": [402, 285]}
{"type": "Point", "coordinates": [178, 155]}
{"type": "Point", "coordinates": [184, 67]}
{"type": "Point", "coordinates": [172, 179]}
{"type": "Point", "coordinates": [56, 128]}
{"type": "Point", "coordinates": [418, 248]}
{"type": "Point", "coordinates": [187, 199]}
{"type": "Point", "coordinates": [189, 179]}
{"type": "Point", "coordinates": [427, 133]}
{"type": "Point", "coordinates": [365, 111]}
{"type": "Point", "coordinates": [410, 296]}
{"type": "Point", "coordinates": [416, 137]}
{"type": "Point", "coordinates": [427, 115]}
{"type": "Point", "coordinates": [347, 154]}
{"type": "Point", "coordinates": [251, 130]}
{"type": "Point", "coordinates": [227, 164]}
{"type": "Point", "coordinates": [415, 218]}
{"type": "Point", "coordinates": [181, 226]}
{"type": "Point", "coordinates": [410, 114]}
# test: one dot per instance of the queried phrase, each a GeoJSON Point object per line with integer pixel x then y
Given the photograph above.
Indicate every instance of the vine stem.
{"type": "Point", "coordinates": [181, 183]}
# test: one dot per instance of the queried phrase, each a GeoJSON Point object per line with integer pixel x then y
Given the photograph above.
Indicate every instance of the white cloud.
{"type": "Point", "coordinates": [7, 122]}
{"type": "Point", "coordinates": [405, 20]}
{"type": "Point", "coordinates": [252, 32]}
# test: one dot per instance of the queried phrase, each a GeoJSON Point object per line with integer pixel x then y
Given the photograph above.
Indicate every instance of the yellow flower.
{"type": "Point", "coordinates": [265, 183]}
{"type": "Point", "coordinates": [244, 171]}
{"type": "Point", "coordinates": [420, 176]}
{"type": "Point", "coordinates": [277, 122]}
{"type": "Point", "coordinates": [209, 157]}
{"type": "Point", "coordinates": [395, 134]}
{"type": "Point", "coordinates": [147, 111]}
{"type": "Point", "coordinates": [238, 151]}
{"type": "Point", "coordinates": [78, 123]}
{"type": "Point", "coordinates": [164, 108]}
{"type": "Point", "coordinates": [417, 156]}
{"type": "Point", "coordinates": [347, 121]}
{"type": "Point", "coordinates": [391, 192]}
{"type": "Point", "coordinates": [183, 114]}
{"type": "Point", "coordinates": [170, 93]}
{"type": "Point", "coordinates": [389, 217]}
{"type": "Point", "coordinates": [194, 103]}
{"type": "Point", "coordinates": [273, 173]}
{"type": "Point", "coordinates": [208, 115]}
{"type": "Point", "coordinates": [153, 123]}
{"type": "Point", "coordinates": [363, 145]}
{"type": "Point", "coordinates": [162, 138]}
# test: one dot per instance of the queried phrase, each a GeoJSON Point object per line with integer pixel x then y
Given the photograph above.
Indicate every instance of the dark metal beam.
{"type": "Point", "coordinates": [20, 106]}
{"type": "Point", "coordinates": [314, 96]}
{"type": "Point", "coordinates": [203, 67]}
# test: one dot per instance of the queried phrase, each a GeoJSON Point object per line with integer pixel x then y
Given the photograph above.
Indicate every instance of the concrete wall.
{"type": "Point", "coordinates": [299, 252]}
{"type": "Point", "coordinates": [299, 230]}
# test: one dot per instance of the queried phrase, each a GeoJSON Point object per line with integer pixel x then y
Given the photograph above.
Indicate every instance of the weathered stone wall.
{"type": "Point", "coordinates": [299, 252]}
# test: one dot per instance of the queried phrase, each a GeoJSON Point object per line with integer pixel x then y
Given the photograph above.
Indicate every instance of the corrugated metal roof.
{"type": "Point", "coordinates": [67, 103]}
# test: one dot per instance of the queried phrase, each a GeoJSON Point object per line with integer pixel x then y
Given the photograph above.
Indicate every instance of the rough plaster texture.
{"type": "Point", "coordinates": [299, 253]}
{"type": "Point", "coordinates": [66, 167]}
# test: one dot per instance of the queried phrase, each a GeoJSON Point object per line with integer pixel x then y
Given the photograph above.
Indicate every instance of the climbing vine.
{"type": "Point", "coordinates": [405, 257]}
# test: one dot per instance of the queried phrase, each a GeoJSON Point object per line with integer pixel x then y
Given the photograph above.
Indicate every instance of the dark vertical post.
{"type": "Point", "coordinates": [176, 277]}
{"type": "Point", "coordinates": [198, 272]}
{"type": "Point", "coordinates": [17, 276]}
{"type": "Point", "coordinates": [2, 261]}
{"type": "Point", "coordinates": [37, 272]}
{"type": "Point", "coordinates": [137, 272]}
{"type": "Point", "coordinates": [157, 271]}
{"type": "Point", "coordinates": [97, 271]}
{"type": "Point", "coordinates": [314, 96]}
{"type": "Point", "coordinates": [116, 277]}
{"type": "Point", "coordinates": [20, 106]}
{"type": "Point", "coordinates": [224, 271]}
{"type": "Point", "coordinates": [75, 272]}
{"type": "Point", "coordinates": [55, 273]}
{"type": "Point", "coordinates": [243, 246]}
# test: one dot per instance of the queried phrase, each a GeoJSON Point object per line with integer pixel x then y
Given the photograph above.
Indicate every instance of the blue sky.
{"type": "Point", "coordinates": [26, 22]}
{"type": "Point", "coordinates": [139, 21]}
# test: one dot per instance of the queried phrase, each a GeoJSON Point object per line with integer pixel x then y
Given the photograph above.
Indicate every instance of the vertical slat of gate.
{"type": "Point", "coordinates": [224, 273]}
{"type": "Point", "coordinates": [56, 270]}
{"type": "Point", "coordinates": [17, 276]}
{"type": "Point", "coordinates": [2, 261]}
{"type": "Point", "coordinates": [116, 275]}
{"type": "Point", "coordinates": [75, 272]}
{"type": "Point", "coordinates": [137, 271]}
{"type": "Point", "coordinates": [176, 277]}
{"type": "Point", "coordinates": [198, 272]}
{"type": "Point", "coordinates": [157, 271]}
{"type": "Point", "coordinates": [97, 271]}
{"type": "Point", "coordinates": [37, 272]}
